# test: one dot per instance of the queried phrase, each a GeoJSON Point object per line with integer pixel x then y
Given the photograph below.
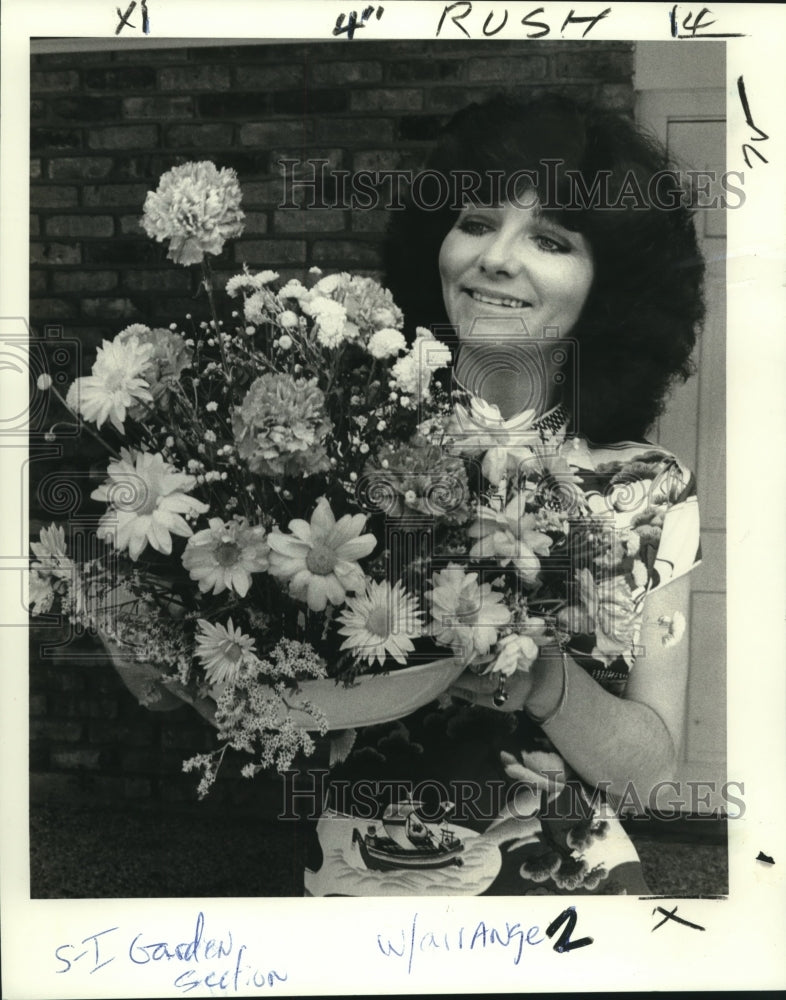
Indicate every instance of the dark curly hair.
{"type": "Point", "coordinates": [638, 326]}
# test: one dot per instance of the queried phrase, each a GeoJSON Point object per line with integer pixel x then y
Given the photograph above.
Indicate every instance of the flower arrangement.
{"type": "Point", "coordinates": [292, 495]}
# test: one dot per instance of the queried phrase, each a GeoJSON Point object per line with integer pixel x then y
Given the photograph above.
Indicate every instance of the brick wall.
{"type": "Point", "coordinates": [104, 126]}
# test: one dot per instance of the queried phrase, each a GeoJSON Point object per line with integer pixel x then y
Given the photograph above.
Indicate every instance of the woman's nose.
{"type": "Point", "coordinates": [500, 254]}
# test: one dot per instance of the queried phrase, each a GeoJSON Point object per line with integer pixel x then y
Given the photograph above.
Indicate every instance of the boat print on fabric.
{"type": "Point", "coordinates": [409, 841]}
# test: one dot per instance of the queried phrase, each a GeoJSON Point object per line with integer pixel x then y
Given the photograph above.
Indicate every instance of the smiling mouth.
{"type": "Point", "coordinates": [497, 300]}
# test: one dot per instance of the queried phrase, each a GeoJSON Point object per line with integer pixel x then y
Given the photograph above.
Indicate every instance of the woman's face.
{"type": "Point", "coordinates": [512, 263]}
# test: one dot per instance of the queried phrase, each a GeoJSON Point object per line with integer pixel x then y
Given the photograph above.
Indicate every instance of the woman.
{"type": "Point", "coordinates": [568, 281]}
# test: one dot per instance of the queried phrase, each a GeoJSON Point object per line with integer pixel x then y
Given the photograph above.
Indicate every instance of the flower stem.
{"type": "Point", "coordinates": [207, 275]}
{"type": "Point", "coordinates": [83, 426]}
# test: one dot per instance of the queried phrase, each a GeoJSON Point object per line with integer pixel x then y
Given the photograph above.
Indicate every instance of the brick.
{"type": "Point", "coordinates": [595, 65]}
{"type": "Point", "coordinates": [205, 136]}
{"type": "Point", "coordinates": [229, 104]}
{"type": "Point", "coordinates": [164, 311]}
{"type": "Point", "coordinates": [140, 734]}
{"type": "Point", "coordinates": [55, 80]}
{"type": "Point", "coordinates": [245, 164]}
{"type": "Point", "coordinates": [139, 760]}
{"type": "Point", "coordinates": [53, 729]}
{"type": "Point", "coordinates": [405, 71]}
{"type": "Point", "coordinates": [77, 759]}
{"type": "Point", "coordinates": [370, 221]}
{"type": "Point", "coordinates": [130, 225]}
{"type": "Point", "coordinates": [106, 308]}
{"type": "Point", "coordinates": [305, 168]}
{"type": "Point", "coordinates": [344, 253]}
{"type": "Point", "coordinates": [37, 704]}
{"type": "Point", "coordinates": [450, 99]}
{"type": "Point", "coordinates": [48, 59]}
{"type": "Point", "coordinates": [79, 168]}
{"type": "Point", "coordinates": [345, 73]}
{"type": "Point", "coordinates": [511, 70]}
{"type": "Point", "coordinates": [86, 109]}
{"type": "Point", "coordinates": [121, 252]}
{"type": "Point", "coordinates": [158, 280]}
{"type": "Point", "coordinates": [618, 96]}
{"type": "Point", "coordinates": [114, 195]}
{"type": "Point", "coordinates": [387, 159]}
{"type": "Point", "coordinates": [190, 78]}
{"type": "Point", "coordinates": [80, 225]}
{"type": "Point", "coordinates": [308, 221]}
{"type": "Point", "coordinates": [150, 56]}
{"type": "Point", "coordinates": [137, 788]}
{"type": "Point", "coordinates": [37, 109]}
{"type": "Point", "coordinates": [35, 169]}
{"type": "Point", "coordinates": [38, 282]}
{"type": "Point", "coordinates": [353, 130]}
{"type": "Point", "coordinates": [291, 74]}
{"type": "Point", "coordinates": [144, 166]}
{"type": "Point", "coordinates": [124, 79]}
{"type": "Point", "coordinates": [47, 196]}
{"type": "Point", "coordinates": [387, 99]}
{"type": "Point", "coordinates": [122, 137]}
{"type": "Point", "coordinates": [264, 192]}
{"type": "Point", "coordinates": [84, 281]}
{"type": "Point", "coordinates": [35, 227]}
{"type": "Point", "coordinates": [268, 252]}
{"type": "Point", "coordinates": [158, 107]}
{"type": "Point", "coordinates": [420, 127]}
{"type": "Point", "coordinates": [51, 310]}
{"type": "Point", "coordinates": [255, 223]}
{"type": "Point", "coordinates": [276, 132]}
{"type": "Point", "coordinates": [309, 102]}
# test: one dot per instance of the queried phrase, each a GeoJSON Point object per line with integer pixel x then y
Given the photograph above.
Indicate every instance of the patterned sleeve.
{"type": "Point", "coordinates": [673, 547]}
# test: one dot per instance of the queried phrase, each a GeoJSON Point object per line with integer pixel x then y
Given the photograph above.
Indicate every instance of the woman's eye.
{"type": "Point", "coordinates": [550, 245]}
{"type": "Point", "coordinates": [473, 227]}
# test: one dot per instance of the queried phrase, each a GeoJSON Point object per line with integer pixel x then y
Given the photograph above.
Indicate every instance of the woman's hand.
{"type": "Point", "coordinates": [494, 690]}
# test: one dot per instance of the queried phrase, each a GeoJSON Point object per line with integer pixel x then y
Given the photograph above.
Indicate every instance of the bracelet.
{"type": "Point", "coordinates": [542, 720]}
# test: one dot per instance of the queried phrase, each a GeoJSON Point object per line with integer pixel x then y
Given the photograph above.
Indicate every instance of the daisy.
{"type": "Point", "coordinates": [51, 553]}
{"type": "Point", "coordinates": [320, 559]}
{"type": "Point", "coordinates": [147, 499]}
{"type": "Point", "coordinates": [466, 614]}
{"type": "Point", "coordinates": [381, 622]}
{"type": "Point", "coordinates": [116, 383]}
{"type": "Point", "coordinates": [222, 649]}
{"type": "Point", "coordinates": [225, 555]}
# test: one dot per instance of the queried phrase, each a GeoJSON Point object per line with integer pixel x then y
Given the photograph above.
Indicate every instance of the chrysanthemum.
{"type": "Point", "coordinates": [320, 559]}
{"type": "Point", "coordinates": [386, 343]}
{"type": "Point", "coordinates": [330, 319]}
{"type": "Point", "coordinates": [510, 536]}
{"type": "Point", "coordinates": [147, 499]}
{"type": "Point", "coordinates": [169, 357]}
{"type": "Point", "coordinates": [381, 622]}
{"type": "Point", "coordinates": [197, 208]}
{"type": "Point", "coordinates": [222, 649]}
{"type": "Point", "coordinates": [514, 652]}
{"type": "Point", "coordinates": [116, 383]}
{"type": "Point", "coordinates": [467, 615]}
{"type": "Point", "coordinates": [40, 594]}
{"type": "Point", "coordinates": [225, 555]}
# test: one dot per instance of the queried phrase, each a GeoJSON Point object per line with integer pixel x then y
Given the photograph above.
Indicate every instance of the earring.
{"type": "Point", "coordinates": [501, 695]}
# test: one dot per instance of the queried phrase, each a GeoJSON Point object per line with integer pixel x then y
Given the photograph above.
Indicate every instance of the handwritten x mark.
{"type": "Point", "coordinates": [124, 17]}
{"type": "Point", "coordinates": [669, 915]}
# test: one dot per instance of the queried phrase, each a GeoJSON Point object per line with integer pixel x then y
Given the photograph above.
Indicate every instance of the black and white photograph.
{"type": "Point", "coordinates": [391, 394]}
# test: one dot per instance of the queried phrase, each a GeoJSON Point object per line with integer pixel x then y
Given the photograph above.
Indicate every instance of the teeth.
{"type": "Point", "coordinates": [494, 300]}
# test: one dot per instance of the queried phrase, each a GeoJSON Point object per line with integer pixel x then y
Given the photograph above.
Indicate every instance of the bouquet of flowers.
{"type": "Point", "coordinates": [292, 496]}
